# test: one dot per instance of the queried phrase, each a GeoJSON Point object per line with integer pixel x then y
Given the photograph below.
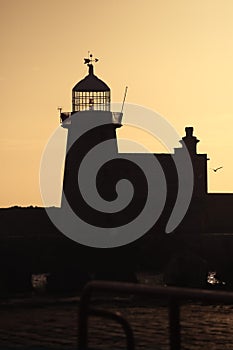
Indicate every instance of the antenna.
{"type": "Point", "coordinates": [126, 88]}
{"type": "Point", "coordinates": [59, 109]}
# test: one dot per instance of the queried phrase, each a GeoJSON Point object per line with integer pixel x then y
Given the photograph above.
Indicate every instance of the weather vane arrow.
{"type": "Point", "coordinates": [90, 59]}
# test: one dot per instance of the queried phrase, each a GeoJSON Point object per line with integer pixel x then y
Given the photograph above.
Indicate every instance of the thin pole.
{"type": "Point", "coordinates": [174, 324]}
{"type": "Point", "coordinates": [126, 88]}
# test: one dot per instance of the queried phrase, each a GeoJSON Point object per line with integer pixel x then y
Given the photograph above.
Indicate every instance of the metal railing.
{"type": "Point", "coordinates": [173, 295]}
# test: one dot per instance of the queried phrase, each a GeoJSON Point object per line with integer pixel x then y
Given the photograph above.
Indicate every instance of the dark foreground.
{"type": "Point", "coordinates": [51, 322]}
{"type": "Point", "coordinates": [54, 326]}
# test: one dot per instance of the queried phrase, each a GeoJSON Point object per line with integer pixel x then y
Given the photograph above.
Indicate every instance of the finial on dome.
{"type": "Point", "coordinates": [89, 62]}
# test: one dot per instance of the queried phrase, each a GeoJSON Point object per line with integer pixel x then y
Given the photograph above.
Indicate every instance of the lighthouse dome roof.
{"type": "Point", "coordinates": [91, 83]}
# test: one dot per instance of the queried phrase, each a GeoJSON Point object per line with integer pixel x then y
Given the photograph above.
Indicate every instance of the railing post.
{"type": "Point", "coordinates": [83, 318]}
{"type": "Point", "coordinates": [174, 324]}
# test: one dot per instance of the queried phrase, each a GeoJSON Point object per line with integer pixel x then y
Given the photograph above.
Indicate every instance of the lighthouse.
{"type": "Point", "coordinates": [91, 123]}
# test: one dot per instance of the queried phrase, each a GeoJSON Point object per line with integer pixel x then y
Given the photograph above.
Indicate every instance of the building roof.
{"type": "Point", "coordinates": [91, 83]}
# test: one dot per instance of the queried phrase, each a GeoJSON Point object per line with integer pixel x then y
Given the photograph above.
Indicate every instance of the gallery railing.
{"type": "Point", "coordinates": [174, 296]}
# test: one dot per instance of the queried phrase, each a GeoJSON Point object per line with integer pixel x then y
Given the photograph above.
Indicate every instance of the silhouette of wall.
{"type": "Point", "coordinates": [30, 243]}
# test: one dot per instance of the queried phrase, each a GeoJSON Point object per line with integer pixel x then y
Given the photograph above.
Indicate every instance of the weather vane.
{"type": "Point", "coordinates": [90, 59]}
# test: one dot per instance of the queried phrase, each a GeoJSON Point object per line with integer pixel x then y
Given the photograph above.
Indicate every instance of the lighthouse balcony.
{"type": "Point", "coordinates": [117, 118]}
{"type": "Point", "coordinates": [65, 119]}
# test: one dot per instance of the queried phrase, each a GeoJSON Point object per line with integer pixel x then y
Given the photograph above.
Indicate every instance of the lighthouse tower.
{"type": "Point", "coordinates": [90, 123]}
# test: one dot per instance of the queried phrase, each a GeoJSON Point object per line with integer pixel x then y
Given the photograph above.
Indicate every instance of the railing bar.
{"type": "Point", "coordinates": [118, 317]}
{"type": "Point", "coordinates": [179, 293]}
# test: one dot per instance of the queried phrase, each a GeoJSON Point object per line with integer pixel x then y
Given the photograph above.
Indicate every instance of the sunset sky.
{"type": "Point", "coordinates": [176, 57]}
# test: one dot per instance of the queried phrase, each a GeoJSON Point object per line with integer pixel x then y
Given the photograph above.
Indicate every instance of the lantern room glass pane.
{"type": "Point", "coordinates": [91, 100]}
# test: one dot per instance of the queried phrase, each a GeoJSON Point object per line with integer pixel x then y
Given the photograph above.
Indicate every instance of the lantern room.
{"type": "Point", "coordinates": [91, 93]}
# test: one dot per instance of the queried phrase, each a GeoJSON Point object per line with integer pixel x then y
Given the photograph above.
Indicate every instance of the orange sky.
{"type": "Point", "coordinates": [175, 56]}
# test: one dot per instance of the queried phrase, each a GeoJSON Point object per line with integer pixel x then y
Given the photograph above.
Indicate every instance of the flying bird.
{"type": "Point", "coordinates": [216, 169]}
